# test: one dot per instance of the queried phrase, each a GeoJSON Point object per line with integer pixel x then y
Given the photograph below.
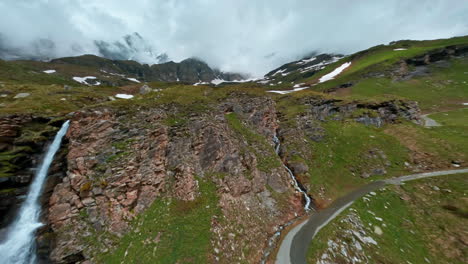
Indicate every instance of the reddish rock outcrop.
{"type": "Point", "coordinates": [120, 163]}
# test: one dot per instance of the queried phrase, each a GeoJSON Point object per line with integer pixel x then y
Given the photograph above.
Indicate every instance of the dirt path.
{"type": "Point", "coordinates": [293, 248]}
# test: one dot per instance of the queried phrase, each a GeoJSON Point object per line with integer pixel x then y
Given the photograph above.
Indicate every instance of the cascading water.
{"type": "Point", "coordinates": [293, 178]}
{"type": "Point", "coordinates": [307, 207]}
{"type": "Point", "coordinates": [19, 245]}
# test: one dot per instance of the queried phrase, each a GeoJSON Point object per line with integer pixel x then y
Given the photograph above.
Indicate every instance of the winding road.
{"type": "Point", "coordinates": [293, 248]}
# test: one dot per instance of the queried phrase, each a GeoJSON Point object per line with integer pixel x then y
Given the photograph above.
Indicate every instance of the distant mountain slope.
{"type": "Point", "coordinates": [120, 72]}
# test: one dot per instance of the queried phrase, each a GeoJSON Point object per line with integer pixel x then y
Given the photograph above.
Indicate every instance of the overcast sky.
{"type": "Point", "coordinates": [252, 36]}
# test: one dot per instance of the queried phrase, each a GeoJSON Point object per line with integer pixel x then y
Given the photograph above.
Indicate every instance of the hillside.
{"type": "Point", "coordinates": [184, 172]}
{"type": "Point", "coordinates": [93, 70]}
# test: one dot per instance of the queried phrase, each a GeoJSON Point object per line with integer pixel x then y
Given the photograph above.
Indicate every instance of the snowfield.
{"type": "Point", "coordinates": [49, 71]}
{"type": "Point", "coordinates": [334, 73]}
{"type": "Point", "coordinates": [83, 80]}
{"type": "Point", "coordinates": [305, 61]}
{"type": "Point", "coordinates": [133, 80]}
{"type": "Point", "coordinates": [288, 91]}
{"type": "Point", "coordinates": [217, 81]}
{"type": "Point", "coordinates": [124, 96]}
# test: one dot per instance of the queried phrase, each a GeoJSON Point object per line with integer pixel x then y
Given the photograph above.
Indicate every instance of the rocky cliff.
{"type": "Point", "coordinates": [121, 162]}
{"type": "Point", "coordinates": [22, 141]}
{"type": "Point", "coordinates": [189, 70]}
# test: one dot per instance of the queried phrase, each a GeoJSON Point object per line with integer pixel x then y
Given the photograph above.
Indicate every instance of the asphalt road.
{"type": "Point", "coordinates": [293, 248]}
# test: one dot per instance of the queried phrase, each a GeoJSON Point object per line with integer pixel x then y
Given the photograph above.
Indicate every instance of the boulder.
{"type": "Point", "coordinates": [145, 89]}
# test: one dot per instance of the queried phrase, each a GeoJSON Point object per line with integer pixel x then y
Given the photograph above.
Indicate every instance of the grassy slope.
{"type": "Point", "coordinates": [443, 88]}
{"type": "Point", "coordinates": [457, 117]}
{"type": "Point", "coordinates": [170, 231]}
{"type": "Point", "coordinates": [381, 57]}
{"type": "Point", "coordinates": [340, 159]}
{"type": "Point", "coordinates": [332, 161]}
{"type": "Point", "coordinates": [421, 219]}
{"type": "Point", "coordinates": [442, 91]}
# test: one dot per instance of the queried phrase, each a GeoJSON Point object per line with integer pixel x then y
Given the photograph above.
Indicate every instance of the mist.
{"type": "Point", "coordinates": [233, 35]}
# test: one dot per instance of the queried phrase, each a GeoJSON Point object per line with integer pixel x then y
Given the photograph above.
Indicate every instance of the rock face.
{"type": "Point", "coordinates": [302, 69]}
{"type": "Point", "coordinates": [22, 141]}
{"type": "Point", "coordinates": [420, 64]}
{"type": "Point", "coordinates": [119, 164]}
{"type": "Point", "coordinates": [375, 114]}
{"type": "Point", "coordinates": [189, 70]}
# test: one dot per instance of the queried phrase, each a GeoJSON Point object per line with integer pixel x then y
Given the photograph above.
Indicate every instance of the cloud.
{"type": "Point", "coordinates": [233, 35]}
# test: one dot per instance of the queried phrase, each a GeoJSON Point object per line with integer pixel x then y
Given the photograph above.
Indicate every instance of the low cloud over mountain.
{"type": "Point", "coordinates": [241, 36]}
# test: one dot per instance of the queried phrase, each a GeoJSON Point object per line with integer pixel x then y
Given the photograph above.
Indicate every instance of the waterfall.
{"type": "Point", "coordinates": [307, 207]}
{"type": "Point", "coordinates": [293, 178]}
{"type": "Point", "coordinates": [19, 245]}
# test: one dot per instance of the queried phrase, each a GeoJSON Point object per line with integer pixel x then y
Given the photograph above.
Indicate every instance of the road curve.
{"type": "Point", "coordinates": [293, 248]}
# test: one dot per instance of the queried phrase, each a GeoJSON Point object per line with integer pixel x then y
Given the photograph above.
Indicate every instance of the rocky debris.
{"type": "Point", "coordinates": [439, 55]}
{"type": "Point", "coordinates": [118, 164]}
{"type": "Point", "coordinates": [375, 114]}
{"type": "Point", "coordinates": [418, 66]}
{"type": "Point", "coordinates": [378, 161]}
{"type": "Point", "coordinates": [349, 248]}
{"type": "Point", "coordinates": [21, 95]}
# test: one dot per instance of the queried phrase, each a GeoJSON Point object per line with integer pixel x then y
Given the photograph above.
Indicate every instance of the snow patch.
{"type": "Point", "coordinates": [217, 81]}
{"type": "Point", "coordinates": [278, 72]}
{"type": "Point", "coordinates": [124, 96]}
{"type": "Point", "coordinates": [264, 81]}
{"type": "Point", "coordinates": [133, 80]}
{"type": "Point", "coordinates": [334, 73]}
{"type": "Point", "coordinates": [305, 61]}
{"type": "Point", "coordinates": [49, 71]}
{"type": "Point", "coordinates": [400, 49]}
{"type": "Point", "coordinates": [288, 91]}
{"type": "Point", "coordinates": [200, 83]}
{"type": "Point", "coordinates": [465, 103]}
{"type": "Point", "coordinates": [83, 80]}
{"type": "Point", "coordinates": [321, 65]}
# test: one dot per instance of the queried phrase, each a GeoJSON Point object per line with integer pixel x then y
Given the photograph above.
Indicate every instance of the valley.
{"type": "Point", "coordinates": [182, 163]}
